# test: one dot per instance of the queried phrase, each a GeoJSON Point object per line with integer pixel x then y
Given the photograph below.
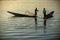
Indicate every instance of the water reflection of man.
{"type": "Point", "coordinates": [44, 23]}
{"type": "Point", "coordinates": [35, 23]}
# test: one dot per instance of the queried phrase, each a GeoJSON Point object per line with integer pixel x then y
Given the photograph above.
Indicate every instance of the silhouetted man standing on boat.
{"type": "Point", "coordinates": [36, 12]}
{"type": "Point", "coordinates": [46, 16]}
{"type": "Point", "coordinates": [44, 12]}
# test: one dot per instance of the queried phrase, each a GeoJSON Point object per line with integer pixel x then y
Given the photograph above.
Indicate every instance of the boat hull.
{"type": "Point", "coordinates": [50, 15]}
{"type": "Point", "coordinates": [20, 15]}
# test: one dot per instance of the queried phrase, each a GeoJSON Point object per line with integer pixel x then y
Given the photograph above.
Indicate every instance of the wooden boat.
{"type": "Point", "coordinates": [24, 15]}
{"type": "Point", "coordinates": [46, 16]}
{"type": "Point", "coordinates": [20, 15]}
{"type": "Point", "coordinates": [50, 15]}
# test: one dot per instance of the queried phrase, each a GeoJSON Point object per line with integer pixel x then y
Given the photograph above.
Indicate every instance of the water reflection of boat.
{"type": "Point", "coordinates": [24, 15]}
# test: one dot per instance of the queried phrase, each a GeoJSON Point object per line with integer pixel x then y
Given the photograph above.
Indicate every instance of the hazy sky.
{"type": "Point", "coordinates": [29, 0]}
{"type": "Point", "coordinates": [21, 6]}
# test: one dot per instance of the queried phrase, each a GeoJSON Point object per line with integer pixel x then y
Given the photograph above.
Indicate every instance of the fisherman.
{"type": "Point", "coordinates": [36, 11]}
{"type": "Point", "coordinates": [44, 12]}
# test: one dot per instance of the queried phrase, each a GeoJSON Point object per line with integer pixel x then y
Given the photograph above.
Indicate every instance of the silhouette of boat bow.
{"type": "Point", "coordinates": [50, 15]}
{"type": "Point", "coordinates": [21, 15]}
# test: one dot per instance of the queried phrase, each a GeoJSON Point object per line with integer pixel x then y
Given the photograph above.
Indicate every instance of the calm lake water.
{"type": "Point", "coordinates": [24, 28]}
